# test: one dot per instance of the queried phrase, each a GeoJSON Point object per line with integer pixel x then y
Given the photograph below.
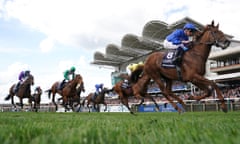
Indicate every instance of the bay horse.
{"type": "Point", "coordinates": [76, 99]}
{"type": "Point", "coordinates": [68, 92]}
{"type": "Point", "coordinates": [192, 67]}
{"type": "Point", "coordinates": [125, 93]}
{"type": "Point", "coordinates": [99, 99]}
{"type": "Point", "coordinates": [24, 91]}
{"type": "Point", "coordinates": [36, 98]}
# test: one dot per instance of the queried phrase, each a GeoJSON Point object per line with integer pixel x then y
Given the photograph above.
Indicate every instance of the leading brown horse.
{"type": "Point", "coordinates": [192, 67]}
{"type": "Point", "coordinates": [70, 90]}
{"type": "Point", "coordinates": [125, 93]}
{"type": "Point", "coordinates": [24, 91]}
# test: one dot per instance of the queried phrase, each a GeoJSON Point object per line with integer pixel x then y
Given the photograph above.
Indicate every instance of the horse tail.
{"type": "Point", "coordinates": [135, 75]}
{"type": "Point", "coordinates": [8, 97]}
{"type": "Point", "coordinates": [49, 93]}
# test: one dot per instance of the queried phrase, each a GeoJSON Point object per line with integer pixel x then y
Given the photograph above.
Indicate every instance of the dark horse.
{"type": "Point", "coordinates": [68, 93]}
{"type": "Point", "coordinates": [192, 66]}
{"type": "Point", "coordinates": [24, 91]}
{"type": "Point", "coordinates": [36, 98]}
{"type": "Point", "coordinates": [125, 93]}
{"type": "Point", "coordinates": [100, 99]}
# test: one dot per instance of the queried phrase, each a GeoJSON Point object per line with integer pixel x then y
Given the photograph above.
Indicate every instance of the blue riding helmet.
{"type": "Point", "coordinates": [190, 26]}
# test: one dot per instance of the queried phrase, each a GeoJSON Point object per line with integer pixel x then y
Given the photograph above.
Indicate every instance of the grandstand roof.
{"type": "Point", "coordinates": [234, 52]}
{"type": "Point", "coordinates": [132, 46]}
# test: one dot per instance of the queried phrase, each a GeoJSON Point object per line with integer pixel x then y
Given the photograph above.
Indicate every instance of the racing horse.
{"type": "Point", "coordinates": [24, 91]}
{"type": "Point", "coordinates": [125, 93]}
{"type": "Point", "coordinates": [99, 99]}
{"type": "Point", "coordinates": [192, 67]}
{"type": "Point", "coordinates": [76, 99]}
{"type": "Point", "coordinates": [36, 98]}
{"type": "Point", "coordinates": [68, 93]}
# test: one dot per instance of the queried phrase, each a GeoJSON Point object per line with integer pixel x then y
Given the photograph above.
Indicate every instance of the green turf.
{"type": "Point", "coordinates": [119, 128]}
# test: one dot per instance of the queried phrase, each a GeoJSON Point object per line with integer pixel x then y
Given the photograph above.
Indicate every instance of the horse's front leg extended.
{"type": "Point", "coordinates": [204, 83]}
{"type": "Point", "coordinates": [12, 99]}
{"type": "Point", "coordinates": [105, 109]}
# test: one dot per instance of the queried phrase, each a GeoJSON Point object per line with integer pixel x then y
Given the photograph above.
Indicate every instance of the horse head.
{"type": "Point", "coordinates": [37, 95]}
{"type": "Point", "coordinates": [215, 36]}
{"type": "Point", "coordinates": [29, 80]}
{"type": "Point", "coordinates": [79, 81]}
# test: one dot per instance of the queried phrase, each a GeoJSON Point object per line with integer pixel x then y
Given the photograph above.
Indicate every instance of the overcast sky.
{"type": "Point", "coordinates": [49, 36]}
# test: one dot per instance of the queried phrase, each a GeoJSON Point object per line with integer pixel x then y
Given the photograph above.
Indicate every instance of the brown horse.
{"type": "Point", "coordinates": [24, 91]}
{"type": "Point", "coordinates": [36, 98]}
{"type": "Point", "coordinates": [192, 66]}
{"type": "Point", "coordinates": [100, 99]}
{"type": "Point", "coordinates": [125, 93]}
{"type": "Point", "coordinates": [75, 101]}
{"type": "Point", "coordinates": [69, 91]}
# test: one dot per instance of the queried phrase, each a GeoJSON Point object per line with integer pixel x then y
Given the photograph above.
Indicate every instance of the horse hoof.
{"type": "Point", "coordinates": [225, 110]}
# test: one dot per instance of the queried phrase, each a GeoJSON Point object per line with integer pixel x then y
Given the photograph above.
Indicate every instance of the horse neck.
{"type": "Point", "coordinates": [201, 49]}
{"type": "Point", "coordinates": [73, 84]}
{"type": "Point", "coordinates": [102, 95]}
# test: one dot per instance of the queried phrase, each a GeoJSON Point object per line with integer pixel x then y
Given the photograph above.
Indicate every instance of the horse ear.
{"type": "Point", "coordinates": [217, 26]}
{"type": "Point", "coordinates": [212, 22]}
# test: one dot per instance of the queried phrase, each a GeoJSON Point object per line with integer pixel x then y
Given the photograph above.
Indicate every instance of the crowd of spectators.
{"type": "Point", "coordinates": [228, 92]}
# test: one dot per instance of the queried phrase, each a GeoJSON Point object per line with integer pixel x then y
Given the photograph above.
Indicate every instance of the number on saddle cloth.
{"type": "Point", "coordinates": [168, 59]}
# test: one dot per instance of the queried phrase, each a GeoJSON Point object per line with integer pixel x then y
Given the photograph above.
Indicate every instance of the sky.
{"type": "Point", "coordinates": [49, 36]}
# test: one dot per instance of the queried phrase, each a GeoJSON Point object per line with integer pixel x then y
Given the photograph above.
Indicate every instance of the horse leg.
{"type": "Point", "coordinates": [65, 101]}
{"type": "Point", "coordinates": [88, 107]}
{"type": "Point", "coordinates": [105, 104]}
{"type": "Point", "coordinates": [169, 87]}
{"type": "Point", "coordinates": [53, 100]}
{"type": "Point", "coordinates": [206, 82]}
{"type": "Point", "coordinates": [142, 101]}
{"type": "Point", "coordinates": [124, 101]}
{"type": "Point", "coordinates": [21, 102]}
{"type": "Point", "coordinates": [12, 99]}
{"type": "Point", "coordinates": [153, 100]}
{"type": "Point", "coordinates": [166, 94]}
{"type": "Point", "coordinates": [206, 90]}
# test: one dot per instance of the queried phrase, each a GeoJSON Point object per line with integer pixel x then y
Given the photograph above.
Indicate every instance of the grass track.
{"type": "Point", "coordinates": [120, 128]}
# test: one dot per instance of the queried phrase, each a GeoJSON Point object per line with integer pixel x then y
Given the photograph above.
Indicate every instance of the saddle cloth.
{"type": "Point", "coordinates": [167, 61]}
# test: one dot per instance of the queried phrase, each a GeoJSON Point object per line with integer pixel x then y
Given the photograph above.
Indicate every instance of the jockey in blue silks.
{"type": "Point", "coordinates": [178, 39]}
{"type": "Point", "coordinates": [98, 88]}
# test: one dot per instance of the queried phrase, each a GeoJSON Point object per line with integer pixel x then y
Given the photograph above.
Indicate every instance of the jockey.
{"type": "Point", "coordinates": [21, 77]}
{"type": "Point", "coordinates": [130, 68]}
{"type": "Point", "coordinates": [66, 75]}
{"type": "Point", "coordinates": [99, 88]}
{"type": "Point", "coordinates": [178, 39]}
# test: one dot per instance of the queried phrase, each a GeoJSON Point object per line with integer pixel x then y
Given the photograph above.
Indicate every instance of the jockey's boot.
{"type": "Point", "coordinates": [17, 87]}
{"type": "Point", "coordinates": [95, 95]}
{"type": "Point", "coordinates": [177, 59]}
{"type": "Point", "coordinates": [61, 85]}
